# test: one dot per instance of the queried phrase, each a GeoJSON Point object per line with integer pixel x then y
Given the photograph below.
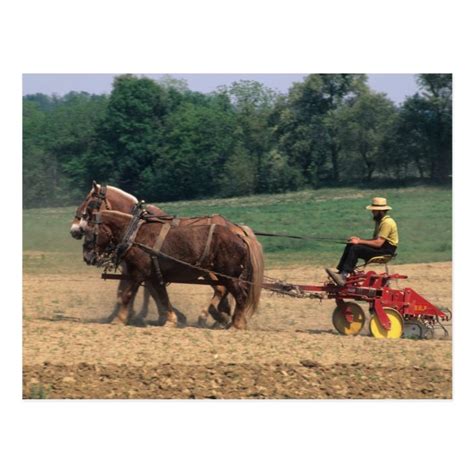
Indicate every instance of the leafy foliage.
{"type": "Point", "coordinates": [163, 142]}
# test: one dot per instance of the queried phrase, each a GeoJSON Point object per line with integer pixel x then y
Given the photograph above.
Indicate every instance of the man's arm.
{"type": "Point", "coordinates": [376, 243]}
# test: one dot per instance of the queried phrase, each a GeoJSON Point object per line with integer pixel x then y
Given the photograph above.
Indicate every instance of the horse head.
{"type": "Point", "coordinates": [102, 198]}
{"type": "Point", "coordinates": [82, 215]}
{"type": "Point", "coordinates": [99, 242]}
{"type": "Point", "coordinates": [98, 199]}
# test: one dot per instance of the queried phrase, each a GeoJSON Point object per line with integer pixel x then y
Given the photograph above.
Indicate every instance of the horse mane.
{"type": "Point", "coordinates": [123, 193]}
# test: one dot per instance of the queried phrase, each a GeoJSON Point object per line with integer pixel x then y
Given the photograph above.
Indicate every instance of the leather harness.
{"type": "Point", "coordinates": [138, 219]}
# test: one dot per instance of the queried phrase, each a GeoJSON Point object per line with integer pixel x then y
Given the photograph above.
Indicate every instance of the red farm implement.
{"type": "Point", "coordinates": [394, 312]}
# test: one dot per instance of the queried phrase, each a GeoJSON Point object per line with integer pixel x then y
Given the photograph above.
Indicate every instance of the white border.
{"type": "Point", "coordinates": [247, 36]}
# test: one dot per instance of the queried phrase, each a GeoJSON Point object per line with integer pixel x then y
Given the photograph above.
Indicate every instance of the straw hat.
{"type": "Point", "coordinates": [378, 204]}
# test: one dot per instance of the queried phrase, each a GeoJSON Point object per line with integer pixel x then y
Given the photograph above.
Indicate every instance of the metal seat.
{"type": "Point", "coordinates": [380, 260]}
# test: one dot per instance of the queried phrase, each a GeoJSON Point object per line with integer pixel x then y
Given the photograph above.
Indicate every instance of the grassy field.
{"type": "Point", "coordinates": [424, 216]}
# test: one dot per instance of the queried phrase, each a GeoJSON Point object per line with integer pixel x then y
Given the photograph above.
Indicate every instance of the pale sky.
{"type": "Point", "coordinates": [396, 86]}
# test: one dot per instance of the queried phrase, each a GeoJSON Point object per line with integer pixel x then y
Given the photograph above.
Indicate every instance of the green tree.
{"type": "Point", "coordinates": [362, 125]}
{"type": "Point", "coordinates": [239, 177]}
{"type": "Point", "coordinates": [253, 104]}
{"type": "Point", "coordinates": [436, 117]}
{"type": "Point", "coordinates": [39, 167]}
{"type": "Point", "coordinates": [279, 176]}
{"type": "Point", "coordinates": [198, 139]}
{"type": "Point", "coordinates": [421, 142]}
{"type": "Point", "coordinates": [72, 136]}
{"type": "Point", "coordinates": [58, 134]}
{"type": "Point", "coordinates": [306, 130]}
{"type": "Point", "coordinates": [45, 102]}
{"type": "Point", "coordinates": [130, 134]}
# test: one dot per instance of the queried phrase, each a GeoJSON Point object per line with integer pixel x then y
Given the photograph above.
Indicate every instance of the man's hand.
{"type": "Point", "coordinates": [376, 243]}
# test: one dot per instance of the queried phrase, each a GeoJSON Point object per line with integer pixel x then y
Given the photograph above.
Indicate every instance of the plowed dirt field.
{"type": "Point", "coordinates": [291, 349]}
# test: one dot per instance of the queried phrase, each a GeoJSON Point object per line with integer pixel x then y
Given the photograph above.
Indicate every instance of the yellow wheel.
{"type": "Point", "coordinates": [348, 319]}
{"type": "Point", "coordinates": [396, 325]}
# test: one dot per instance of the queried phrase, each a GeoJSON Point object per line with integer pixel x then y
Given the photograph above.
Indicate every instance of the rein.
{"type": "Point", "coordinates": [299, 237]}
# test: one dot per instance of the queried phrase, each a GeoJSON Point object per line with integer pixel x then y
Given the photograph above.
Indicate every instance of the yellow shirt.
{"type": "Point", "coordinates": [387, 229]}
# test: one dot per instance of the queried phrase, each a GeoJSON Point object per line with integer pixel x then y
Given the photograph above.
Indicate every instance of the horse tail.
{"type": "Point", "coordinates": [255, 275]}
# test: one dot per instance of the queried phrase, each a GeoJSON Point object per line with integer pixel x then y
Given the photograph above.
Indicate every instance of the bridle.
{"type": "Point", "coordinates": [114, 252]}
{"type": "Point", "coordinates": [101, 257]}
{"type": "Point", "coordinates": [95, 203]}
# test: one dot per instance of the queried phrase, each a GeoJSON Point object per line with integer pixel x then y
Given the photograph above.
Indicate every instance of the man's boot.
{"type": "Point", "coordinates": [338, 278]}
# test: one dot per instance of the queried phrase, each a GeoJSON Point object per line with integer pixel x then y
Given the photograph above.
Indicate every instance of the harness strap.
{"type": "Point", "coordinates": [159, 219]}
{"type": "Point", "coordinates": [157, 247]}
{"type": "Point", "coordinates": [135, 232]}
{"type": "Point", "coordinates": [208, 245]}
{"type": "Point", "coordinates": [127, 243]}
{"type": "Point", "coordinates": [161, 237]}
{"type": "Point", "coordinates": [132, 230]}
{"type": "Point", "coordinates": [129, 236]}
{"type": "Point", "coordinates": [101, 197]}
{"type": "Point", "coordinates": [103, 192]}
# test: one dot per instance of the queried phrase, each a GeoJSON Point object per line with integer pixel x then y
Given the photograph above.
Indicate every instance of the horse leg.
{"type": "Point", "coordinates": [224, 305]}
{"type": "Point", "coordinates": [204, 314]}
{"type": "Point", "coordinates": [163, 304]}
{"type": "Point", "coordinates": [146, 301]}
{"type": "Point", "coordinates": [222, 311]}
{"type": "Point", "coordinates": [118, 305]}
{"type": "Point", "coordinates": [214, 307]}
{"type": "Point", "coordinates": [239, 320]}
{"type": "Point", "coordinates": [125, 300]}
{"type": "Point", "coordinates": [162, 308]}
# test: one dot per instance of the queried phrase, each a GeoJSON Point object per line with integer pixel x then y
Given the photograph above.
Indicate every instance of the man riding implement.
{"type": "Point", "coordinates": [384, 242]}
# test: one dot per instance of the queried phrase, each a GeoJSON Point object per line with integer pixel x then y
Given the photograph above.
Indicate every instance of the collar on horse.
{"type": "Point", "coordinates": [116, 253]}
{"type": "Point", "coordinates": [130, 234]}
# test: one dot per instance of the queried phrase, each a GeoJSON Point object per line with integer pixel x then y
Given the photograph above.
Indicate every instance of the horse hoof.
{"type": "Point", "coordinates": [219, 325]}
{"type": "Point", "coordinates": [118, 322]}
{"type": "Point", "coordinates": [233, 327]}
{"type": "Point", "coordinates": [202, 323]}
{"type": "Point", "coordinates": [138, 322]}
{"type": "Point", "coordinates": [170, 324]}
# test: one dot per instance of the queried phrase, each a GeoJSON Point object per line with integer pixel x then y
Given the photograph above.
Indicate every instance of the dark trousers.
{"type": "Point", "coordinates": [353, 252]}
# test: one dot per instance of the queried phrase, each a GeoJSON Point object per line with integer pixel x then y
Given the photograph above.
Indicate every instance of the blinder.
{"type": "Point", "coordinates": [95, 204]}
{"type": "Point", "coordinates": [98, 218]}
{"type": "Point", "coordinates": [79, 215]}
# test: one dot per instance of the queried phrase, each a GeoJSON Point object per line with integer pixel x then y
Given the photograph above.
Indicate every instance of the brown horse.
{"type": "Point", "coordinates": [112, 198]}
{"type": "Point", "coordinates": [236, 261]}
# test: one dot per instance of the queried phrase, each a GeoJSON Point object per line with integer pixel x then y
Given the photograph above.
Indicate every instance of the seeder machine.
{"type": "Point", "coordinates": [394, 312]}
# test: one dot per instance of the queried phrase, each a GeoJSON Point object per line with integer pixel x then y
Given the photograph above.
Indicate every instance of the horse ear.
{"type": "Point", "coordinates": [95, 186]}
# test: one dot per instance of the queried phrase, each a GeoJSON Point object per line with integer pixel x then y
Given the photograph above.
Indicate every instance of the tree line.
{"type": "Point", "coordinates": [162, 142]}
